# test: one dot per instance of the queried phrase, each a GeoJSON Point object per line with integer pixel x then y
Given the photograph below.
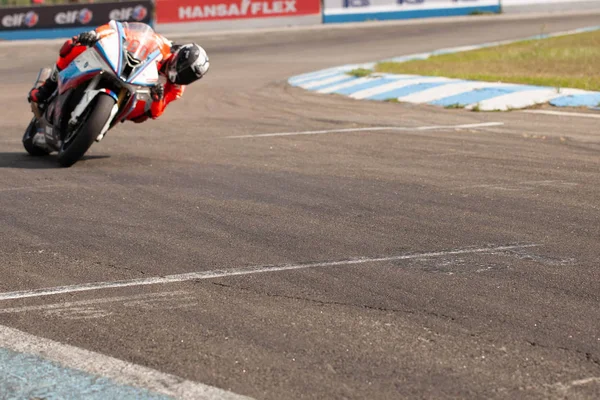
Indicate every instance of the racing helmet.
{"type": "Point", "coordinates": [188, 63]}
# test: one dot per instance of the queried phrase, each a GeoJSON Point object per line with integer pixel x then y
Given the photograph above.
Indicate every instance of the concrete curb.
{"type": "Point", "coordinates": [480, 96]}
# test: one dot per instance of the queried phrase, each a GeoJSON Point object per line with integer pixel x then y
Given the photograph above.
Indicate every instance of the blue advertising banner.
{"type": "Point", "coordinates": [336, 11]}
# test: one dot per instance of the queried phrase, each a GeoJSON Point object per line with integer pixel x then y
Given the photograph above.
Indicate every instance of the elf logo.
{"type": "Point", "coordinates": [138, 13]}
{"type": "Point", "coordinates": [29, 19]}
{"type": "Point", "coordinates": [83, 17]}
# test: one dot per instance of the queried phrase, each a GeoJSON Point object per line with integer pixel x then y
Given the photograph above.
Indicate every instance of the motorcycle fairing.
{"type": "Point", "coordinates": [136, 52]}
{"type": "Point", "coordinates": [110, 62]}
{"type": "Point", "coordinates": [145, 76]}
{"type": "Point", "coordinates": [110, 48]}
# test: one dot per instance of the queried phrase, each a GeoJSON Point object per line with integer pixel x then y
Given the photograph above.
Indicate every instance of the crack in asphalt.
{"type": "Point", "coordinates": [337, 303]}
{"type": "Point", "coordinates": [588, 356]}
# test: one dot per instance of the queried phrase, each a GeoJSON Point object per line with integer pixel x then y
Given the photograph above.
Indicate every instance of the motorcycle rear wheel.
{"type": "Point", "coordinates": [94, 119]}
{"type": "Point", "coordinates": [28, 141]}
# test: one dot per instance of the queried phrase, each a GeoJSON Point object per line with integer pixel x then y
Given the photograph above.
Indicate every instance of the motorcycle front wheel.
{"type": "Point", "coordinates": [81, 138]}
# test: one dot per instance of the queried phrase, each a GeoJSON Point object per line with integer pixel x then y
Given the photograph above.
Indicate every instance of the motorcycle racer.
{"type": "Point", "coordinates": [180, 66]}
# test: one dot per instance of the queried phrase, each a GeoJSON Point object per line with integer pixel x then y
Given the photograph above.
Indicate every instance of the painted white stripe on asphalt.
{"type": "Point", "coordinates": [409, 57]}
{"type": "Point", "coordinates": [373, 129]}
{"type": "Point", "coordinates": [359, 81]}
{"type": "Point", "coordinates": [563, 114]}
{"type": "Point", "coordinates": [117, 370]}
{"type": "Point", "coordinates": [239, 271]}
{"type": "Point", "coordinates": [522, 99]}
{"type": "Point", "coordinates": [463, 126]}
{"type": "Point", "coordinates": [311, 84]}
{"type": "Point", "coordinates": [180, 294]}
{"type": "Point", "coordinates": [440, 92]}
{"type": "Point", "coordinates": [298, 80]}
{"type": "Point", "coordinates": [565, 387]}
{"type": "Point", "coordinates": [35, 187]}
{"type": "Point", "coordinates": [585, 381]}
{"type": "Point", "coordinates": [363, 94]}
{"type": "Point", "coordinates": [458, 49]}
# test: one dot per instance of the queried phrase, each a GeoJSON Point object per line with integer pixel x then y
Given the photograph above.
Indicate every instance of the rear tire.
{"type": "Point", "coordinates": [98, 113]}
{"type": "Point", "coordinates": [28, 141]}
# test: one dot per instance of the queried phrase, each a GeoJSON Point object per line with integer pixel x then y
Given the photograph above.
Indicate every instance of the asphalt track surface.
{"type": "Point", "coordinates": [478, 272]}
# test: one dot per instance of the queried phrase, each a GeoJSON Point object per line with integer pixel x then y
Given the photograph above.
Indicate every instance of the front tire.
{"type": "Point", "coordinates": [94, 119]}
{"type": "Point", "coordinates": [28, 140]}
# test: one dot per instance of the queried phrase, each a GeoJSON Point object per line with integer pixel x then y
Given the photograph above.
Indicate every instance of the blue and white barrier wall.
{"type": "Point", "coordinates": [336, 11]}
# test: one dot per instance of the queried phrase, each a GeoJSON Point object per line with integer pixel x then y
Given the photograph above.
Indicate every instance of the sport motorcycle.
{"type": "Point", "coordinates": [99, 89]}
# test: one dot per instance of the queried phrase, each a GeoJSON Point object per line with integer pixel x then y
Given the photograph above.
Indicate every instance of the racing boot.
{"type": "Point", "coordinates": [39, 140]}
{"type": "Point", "coordinates": [41, 94]}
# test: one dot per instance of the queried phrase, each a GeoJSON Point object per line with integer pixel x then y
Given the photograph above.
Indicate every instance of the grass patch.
{"type": "Point", "coordinates": [455, 106]}
{"type": "Point", "coordinates": [360, 72]}
{"type": "Point", "coordinates": [479, 12]}
{"type": "Point", "coordinates": [392, 100]}
{"type": "Point", "coordinates": [562, 62]}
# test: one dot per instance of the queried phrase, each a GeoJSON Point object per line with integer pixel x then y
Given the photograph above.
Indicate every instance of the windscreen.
{"type": "Point", "coordinates": [141, 41]}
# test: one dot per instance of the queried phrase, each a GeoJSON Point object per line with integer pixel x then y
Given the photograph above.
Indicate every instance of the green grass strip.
{"type": "Point", "coordinates": [563, 62]}
{"type": "Point", "coordinates": [360, 72]}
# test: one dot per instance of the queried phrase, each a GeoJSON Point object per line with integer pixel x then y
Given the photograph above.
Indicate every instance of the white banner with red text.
{"type": "Point", "coordinates": [181, 15]}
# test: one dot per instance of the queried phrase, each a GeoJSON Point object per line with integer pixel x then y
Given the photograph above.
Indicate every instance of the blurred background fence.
{"type": "Point", "coordinates": [46, 19]}
{"type": "Point", "coordinates": [24, 3]}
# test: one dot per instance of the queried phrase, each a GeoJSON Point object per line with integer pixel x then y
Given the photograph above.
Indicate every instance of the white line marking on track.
{"type": "Point", "coordinates": [191, 276]}
{"type": "Point", "coordinates": [299, 80]}
{"type": "Point", "coordinates": [563, 113]}
{"type": "Point", "coordinates": [181, 295]}
{"type": "Point", "coordinates": [363, 94]}
{"type": "Point", "coordinates": [78, 313]}
{"type": "Point", "coordinates": [565, 387]}
{"type": "Point", "coordinates": [373, 129]}
{"type": "Point", "coordinates": [527, 185]}
{"type": "Point", "coordinates": [356, 82]}
{"type": "Point", "coordinates": [34, 187]}
{"type": "Point", "coordinates": [440, 92]}
{"type": "Point", "coordinates": [585, 381]}
{"type": "Point", "coordinates": [119, 371]}
{"type": "Point", "coordinates": [521, 99]}
{"type": "Point", "coordinates": [326, 81]}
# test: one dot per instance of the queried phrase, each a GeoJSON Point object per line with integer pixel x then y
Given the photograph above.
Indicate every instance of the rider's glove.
{"type": "Point", "coordinates": [87, 38]}
{"type": "Point", "coordinates": [157, 92]}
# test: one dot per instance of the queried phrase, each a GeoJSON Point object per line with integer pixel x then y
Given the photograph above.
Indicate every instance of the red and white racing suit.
{"type": "Point", "coordinates": [143, 110]}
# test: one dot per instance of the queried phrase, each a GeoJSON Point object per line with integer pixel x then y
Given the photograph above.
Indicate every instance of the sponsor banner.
{"type": "Point", "coordinates": [525, 6]}
{"type": "Point", "coordinates": [74, 16]}
{"type": "Point", "coordinates": [542, 2]}
{"type": "Point", "coordinates": [361, 10]}
{"type": "Point", "coordinates": [182, 11]}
